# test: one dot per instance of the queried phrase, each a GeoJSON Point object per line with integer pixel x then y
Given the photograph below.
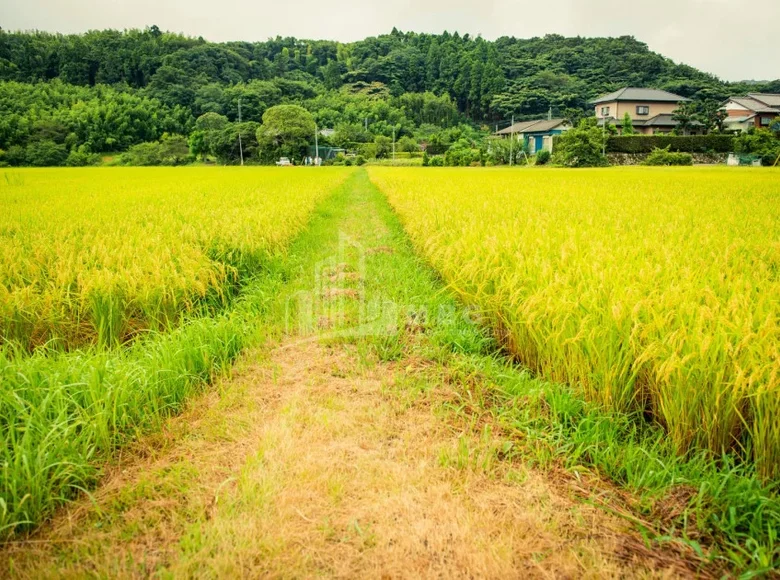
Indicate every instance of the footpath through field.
{"type": "Point", "coordinates": [349, 445]}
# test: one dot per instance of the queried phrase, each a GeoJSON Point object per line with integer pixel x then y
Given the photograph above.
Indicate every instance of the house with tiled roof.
{"type": "Point", "coordinates": [650, 110]}
{"type": "Point", "coordinates": [753, 110]}
{"type": "Point", "coordinates": [537, 134]}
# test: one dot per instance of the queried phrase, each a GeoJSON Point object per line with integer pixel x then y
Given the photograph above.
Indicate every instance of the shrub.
{"type": "Point", "coordinates": [461, 154]}
{"type": "Point", "coordinates": [175, 150]}
{"type": "Point", "coordinates": [408, 145]}
{"type": "Point", "coordinates": [143, 155]}
{"type": "Point", "coordinates": [45, 154]}
{"type": "Point", "coordinates": [383, 146]}
{"type": "Point", "coordinates": [437, 161]}
{"type": "Point", "coordinates": [762, 143]}
{"type": "Point", "coordinates": [172, 150]}
{"type": "Point", "coordinates": [666, 157]}
{"type": "Point", "coordinates": [543, 157]}
{"type": "Point", "coordinates": [14, 156]}
{"type": "Point", "coordinates": [360, 160]}
{"type": "Point", "coordinates": [368, 150]}
{"type": "Point", "coordinates": [426, 159]}
{"type": "Point", "coordinates": [582, 146]}
{"type": "Point", "coordinates": [500, 150]}
{"type": "Point", "coordinates": [82, 159]}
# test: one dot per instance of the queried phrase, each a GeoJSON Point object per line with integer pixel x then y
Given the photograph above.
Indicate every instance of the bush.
{"type": "Point", "coordinates": [666, 157]}
{"type": "Point", "coordinates": [687, 144]}
{"type": "Point", "coordinates": [408, 145]}
{"type": "Point", "coordinates": [45, 154]}
{"type": "Point", "coordinates": [543, 157]}
{"type": "Point", "coordinates": [172, 150]}
{"type": "Point", "coordinates": [437, 161]}
{"type": "Point", "coordinates": [426, 159]}
{"type": "Point", "coordinates": [501, 150]}
{"type": "Point", "coordinates": [175, 150]}
{"type": "Point", "coordinates": [143, 155]}
{"type": "Point", "coordinates": [462, 155]}
{"type": "Point", "coordinates": [82, 159]}
{"type": "Point", "coordinates": [383, 146]}
{"type": "Point", "coordinates": [360, 160]}
{"type": "Point", "coordinates": [762, 143]}
{"type": "Point", "coordinates": [368, 151]}
{"type": "Point", "coordinates": [581, 146]}
{"type": "Point", "coordinates": [15, 156]}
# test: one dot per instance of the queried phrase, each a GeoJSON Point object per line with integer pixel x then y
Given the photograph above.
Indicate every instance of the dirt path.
{"type": "Point", "coordinates": [331, 453]}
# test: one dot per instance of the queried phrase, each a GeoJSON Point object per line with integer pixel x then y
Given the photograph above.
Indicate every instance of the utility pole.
{"type": "Point", "coordinates": [394, 143]}
{"type": "Point", "coordinates": [240, 146]}
{"type": "Point", "coordinates": [604, 136]}
{"type": "Point", "coordinates": [512, 144]}
{"type": "Point", "coordinates": [316, 144]}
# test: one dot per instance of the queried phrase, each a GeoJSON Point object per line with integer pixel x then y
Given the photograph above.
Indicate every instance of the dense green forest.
{"type": "Point", "coordinates": [66, 97]}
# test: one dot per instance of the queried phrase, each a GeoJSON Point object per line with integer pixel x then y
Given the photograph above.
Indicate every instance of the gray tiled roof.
{"type": "Point", "coordinates": [752, 104]}
{"type": "Point", "coordinates": [537, 126]}
{"type": "Point", "coordinates": [664, 120]}
{"type": "Point", "coordinates": [773, 100]}
{"type": "Point", "coordinates": [732, 120]}
{"type": "Point", "coordinates": [639, 94]}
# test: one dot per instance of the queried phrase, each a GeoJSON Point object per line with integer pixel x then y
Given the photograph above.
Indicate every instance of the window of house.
{"type": "Point", "coordinates": [643, 110]}
{"type": "Point", "coordinates": [604, 111]}
{"type": "Point", "coordinates": [765, 121]}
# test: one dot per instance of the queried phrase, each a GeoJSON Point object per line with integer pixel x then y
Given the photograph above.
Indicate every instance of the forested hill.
{"type": "Point", "coordinates": [487, 79]}
{"type": "Point", "coordinates": [109, 89]}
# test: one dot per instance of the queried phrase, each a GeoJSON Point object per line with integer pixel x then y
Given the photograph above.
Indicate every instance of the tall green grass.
{"type": "Point", "coordinates": [63, 414]}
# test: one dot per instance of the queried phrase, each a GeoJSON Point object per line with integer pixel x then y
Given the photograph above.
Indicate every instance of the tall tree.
{"type": "Point", "coordinates": [286, 131]}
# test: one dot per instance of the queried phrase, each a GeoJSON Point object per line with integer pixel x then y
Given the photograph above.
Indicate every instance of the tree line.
{"type": "Point", "coordinates": [66, 98]}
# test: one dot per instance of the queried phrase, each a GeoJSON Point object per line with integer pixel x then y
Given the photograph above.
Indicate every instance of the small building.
{"type": "Point", "coordinates": [753, 110]}
{"type": "Point", "coordinates": [650, 110]}
{"type": "Point", "coordinates": [536, 135]}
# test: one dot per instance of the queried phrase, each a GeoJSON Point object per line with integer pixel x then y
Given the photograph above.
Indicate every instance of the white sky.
{"type": "Point", "coordinates": [733, 39]}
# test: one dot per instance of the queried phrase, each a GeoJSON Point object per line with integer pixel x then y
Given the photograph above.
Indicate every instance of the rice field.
{"type": "Point", "coordinates": [654, 291]}
{"type": "Point", "coordinates": [90, 258]}
{"type": "Point", "coordinates": [98, 256]}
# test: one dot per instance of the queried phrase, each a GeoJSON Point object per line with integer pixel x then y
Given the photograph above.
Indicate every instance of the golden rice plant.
{"type": "Point", "coordinates": [655, 291]}
{"type": "Point", "coordinates": [99, 255]}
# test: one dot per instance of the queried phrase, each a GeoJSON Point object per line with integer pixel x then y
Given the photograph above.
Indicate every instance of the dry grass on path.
{"type": "Point", "coordinates": [319, 462]}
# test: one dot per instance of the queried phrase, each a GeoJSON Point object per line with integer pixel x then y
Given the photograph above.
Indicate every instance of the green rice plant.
{"type": "Point", "coordinates": [62, 414]}
{"type": "Point", "coordinates": [97, 255]}
{"type": "Point", "coordinates": [654, 291]}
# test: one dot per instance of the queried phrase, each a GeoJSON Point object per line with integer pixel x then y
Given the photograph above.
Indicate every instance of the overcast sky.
{"type": "Point", "coordinates": [733, 39]}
